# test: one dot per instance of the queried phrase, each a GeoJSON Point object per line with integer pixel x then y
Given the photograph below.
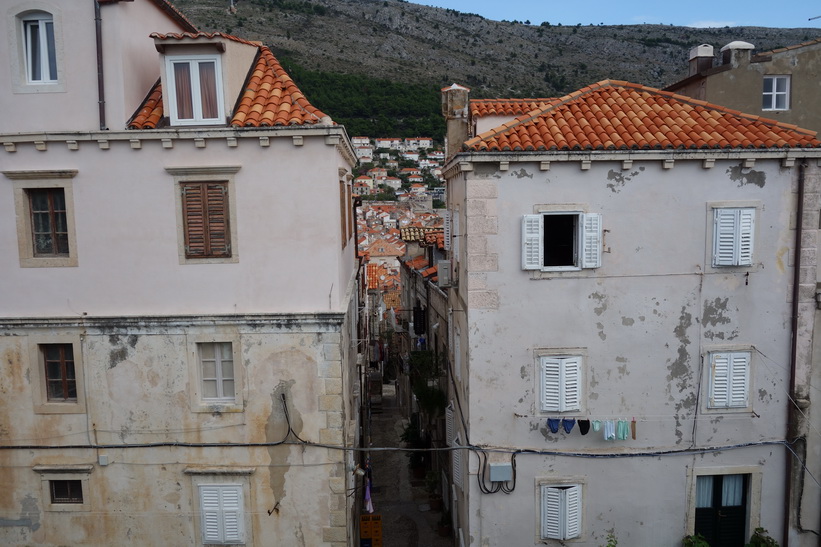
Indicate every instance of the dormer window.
{"type": "Point", "coordinates": [195, 90]}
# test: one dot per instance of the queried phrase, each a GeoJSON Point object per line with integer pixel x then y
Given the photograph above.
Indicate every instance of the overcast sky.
{"type": "Point", "coordinates": [693, 13]}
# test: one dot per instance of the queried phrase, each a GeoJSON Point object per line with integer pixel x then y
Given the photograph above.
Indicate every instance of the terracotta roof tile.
{"type": "Point", "coordinates": [506, 107]}
{"type": "Point", "coordinates": [270, 96]}
{"type": "Point", "coordinates": [615, 115]}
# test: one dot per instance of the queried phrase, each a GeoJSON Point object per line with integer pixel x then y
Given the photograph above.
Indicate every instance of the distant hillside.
{"type": "Point", "coordinates": [430, 47]}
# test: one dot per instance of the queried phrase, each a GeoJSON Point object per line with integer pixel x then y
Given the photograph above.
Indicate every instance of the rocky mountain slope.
{"type": "Point", "coordinates": [410, 43]}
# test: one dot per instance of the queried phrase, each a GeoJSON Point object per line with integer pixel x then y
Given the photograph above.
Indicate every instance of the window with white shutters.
{"type": "Point", "coordinates": [561, 511]}
{"type": "Point", "coordinates": [221, 507]}
{"type": "Point", "coordinates": [729, 379]}
{"type": "Point", "coordinates": [733, 235]}
{"type": "Point", "coordinates": [560, 379]}
{"type": "Point", "coordinates": [449, 424]}
{"type": "Point", "coordinates": [559, 241]}
{"type": "Point", "coordinates": [456, 463]}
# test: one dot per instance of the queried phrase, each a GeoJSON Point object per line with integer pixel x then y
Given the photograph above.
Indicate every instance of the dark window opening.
{"type": "Point", "coordinates": [560, 239]}
{"type": "Point", "coordinates": [61, 381]}
{"type": "Point", "coordinates": [66, 491]}
{"type": "Point", "coordinates": [49, 226]}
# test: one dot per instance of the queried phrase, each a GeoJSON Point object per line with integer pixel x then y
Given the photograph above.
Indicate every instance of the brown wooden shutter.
{"type": "Point", "coordinates": [205, 218]}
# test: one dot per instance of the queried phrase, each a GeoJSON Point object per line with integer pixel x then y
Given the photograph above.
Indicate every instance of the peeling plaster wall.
{"type": "Point", "coordinates": [644, 321]}
{"type": "Point", "coordinates": [138, 391]}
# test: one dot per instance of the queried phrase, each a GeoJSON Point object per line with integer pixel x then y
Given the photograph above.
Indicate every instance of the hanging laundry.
{"type": "Point", "coordinates": [609, 430]}
{"type": "Point", "coordinates": [621, 430]}
{"type": "Point", "coordinates": [596, 425]}
{"type": "Point", "coordinates": [584, 426]}
{"type": "Point", "coordinates": [568, 423]}
{"type": "Point", "coordinates": [368, 502]}
{"type": "Point", "coordinates": [553, 424]}
{"type": "Point", "coordinates": [633, 428]}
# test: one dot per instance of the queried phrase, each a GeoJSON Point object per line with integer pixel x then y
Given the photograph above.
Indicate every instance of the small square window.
{"type": "Point", "coordinates": [557, 241]}
{"type": "Point", "coordinates": [733, 236]}
{"type": "Point", "coordinates": [560, 383]}
{"type": "Point", "coordinates": [66, 491]}
{"type": "Point", "coordinates": [776, 95]}
{"type": "Point", "coordinates": [217, 371]}
{"type": "Point", "coordinates": [561, 511]}
{"type": "Point", "coordinates": [729, 379]}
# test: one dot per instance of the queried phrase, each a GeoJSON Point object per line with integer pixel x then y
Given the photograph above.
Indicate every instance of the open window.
{"type": "Point", "coordinates": [561, 511]}
{"type": "Point", "coordinates": [561, 240]}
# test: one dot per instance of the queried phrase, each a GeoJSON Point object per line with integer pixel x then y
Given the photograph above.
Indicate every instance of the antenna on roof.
{"type": "Point", "coordinates": [816, 17]}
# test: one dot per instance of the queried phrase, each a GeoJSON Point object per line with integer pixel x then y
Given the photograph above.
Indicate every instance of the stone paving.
{"type": "Point", "coordinates": [407, 520]}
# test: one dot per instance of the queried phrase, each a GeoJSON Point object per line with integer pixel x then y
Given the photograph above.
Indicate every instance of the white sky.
{"type": "Point", "coordinates": [692, 13]}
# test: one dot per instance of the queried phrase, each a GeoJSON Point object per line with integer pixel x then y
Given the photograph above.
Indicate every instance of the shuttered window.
{"type": "Point", "coordinates": [560, 383]}
{"type": "Point", "coordinates": [449, 424]}
{"type": "Point", "coordinates": [729, 379]}
{"type": "Point", "coordinates": [456, 463]}
{"type": "Point", "coordinates": [733, 233]}
{"type": "Point", "coordinates": [561, 512]}
{"type": "Point", "coordinates": [221, 507]}
{"type": "Point", "coordinates": [205, 219]}
{"type": "Point", "coordinates": [561, 241]}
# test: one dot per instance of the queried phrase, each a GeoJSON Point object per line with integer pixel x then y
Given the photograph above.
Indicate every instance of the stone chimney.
{"type": "Point", "coordinates": [455, 109]}
{"type": "Point", "coordinates": [701, 58]}
{"type": "Point", "coordinates": [736, 53]}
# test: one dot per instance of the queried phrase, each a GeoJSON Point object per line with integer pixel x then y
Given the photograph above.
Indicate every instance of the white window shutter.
{"type": "Point", "coordinates": [551, 513]}
{"type": "Point", "coordinates": [591, 240]}
{"type": "Point", "coordinates": [551, 378]}
{"type": "Point", "coordinates": [210, 507]}
{"type": "Point", "coordinates": [739, 379]}
{"type": "Point", "coordinates": [746, 232]}
{"type": "Point", "coordinates": [720, 386]}
{"type": "Point", "coordinates": [449, 424]}
{"type": "Point", "coordinates": [448, 230]}
{"type": "Point", "coordinates": [532, 244]}
{"type": "Point", "coordinates": [571, 388]}
{"type": "Point", "coordinates": [455, 234]}
{"type": "Point", "coordinates": [232, 513]}
{"type": "Point", "coordinates": [456, 463]}
{"type": "Point", "coordinates": [573, 512]}
{"type": "Point", "coordinates": [724, 240]}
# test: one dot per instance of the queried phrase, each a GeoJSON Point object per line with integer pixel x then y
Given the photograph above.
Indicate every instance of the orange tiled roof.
{"type": "Point", "coordinates": [615, 115]}
{"type": "Point", "coordinates": [506, 107]}
{"type": "Point", "coordinates": [270, 97]}
{"type": "Point", "coordinates": [417, 263]}
{"type": "Point", "coordinates": [170, 10]}
{"type": "Point", "coordinates": [796, 46]}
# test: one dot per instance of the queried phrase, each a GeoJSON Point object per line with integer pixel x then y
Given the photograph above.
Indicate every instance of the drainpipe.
{"type": "Point", "coordinates": [792, 418]}
{"type": "Point", "coordinates": [98, 30]}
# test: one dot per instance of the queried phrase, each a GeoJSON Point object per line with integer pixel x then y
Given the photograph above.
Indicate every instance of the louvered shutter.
{"type": "Point", "coordinates": [720, 387]}
{"type": "Point", "coordinates": [573, 512]}
{"type": "Point", "coordinates": [448, 231]}
{"type": "Point", "coordinates": [591, 240]}
{"type": "Point", "coordinates": [205, 219]}
{"type": "Point", "coordinates": [739, 379]}
{"type": "Point", "coordinates": [571, 384]}
{"type": "Point", "coordinates": [456, 463]}
{"type": "Point", "coordinates": [551, 384]}
{"type": "Point", "coordinates": [551, 513]}
{"type": "Point", "coordinates": [532, 244]}
{"type": "Point", "coordinates": [232, 513]}
{"type": "Point", "coordinates": [746, 231]}
{"type": "Point", "coordinates": [210, 507]}
{"type": "Point", "coordinates": [449, 424]}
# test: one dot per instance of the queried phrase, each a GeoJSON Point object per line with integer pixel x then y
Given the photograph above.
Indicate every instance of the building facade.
{"type": "Point", "coordinates": [632, 306]}
{"type": "Point", "coordinates": [178, 323]}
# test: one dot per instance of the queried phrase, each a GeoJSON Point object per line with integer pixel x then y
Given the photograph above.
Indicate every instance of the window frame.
{"type": "Point", "coordinates": [210, 477]}
{"type": "Point", "coordinates": [51, 474]}
{"type": "Point", "coordinates": [570, 361]}
{"type": "Point", "coordinates": [23, 183]}
{"type": "Point", "coordinates": [220, 515]}
{"type": "Point", "coordinates": [219, 378]}
{"type": "Point", "coordinates": [193, 62]}
{"type": "Point", "coordinates": [42, 403]}
{"type": "Point", "coordinates": [772, 96]}
{"type": "Point", "coordinates": [17, 39]}
{"type": "Point", "coordinates": [754, 492]}
{"type": "Point", "coordinates": [587, 243]}
{"type": "Point", "coordinates": [570, 497]}
{"type": "Point", "coordinates": [733, 225]}
{"type": "Point", "coordinates": [217, 174]}
{"type": "Point", "coordinates": [200, 403]}
{"type": "Point", "coordinates": [730, 354]}
{"type": "Point", "coordinates": [64, 376]}
{"type": "Point", "coordinates": [47, 55]}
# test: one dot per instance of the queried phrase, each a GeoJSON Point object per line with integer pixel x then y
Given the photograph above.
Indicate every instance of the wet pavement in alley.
{"type": "Point", "coordinates": [401, 500]}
